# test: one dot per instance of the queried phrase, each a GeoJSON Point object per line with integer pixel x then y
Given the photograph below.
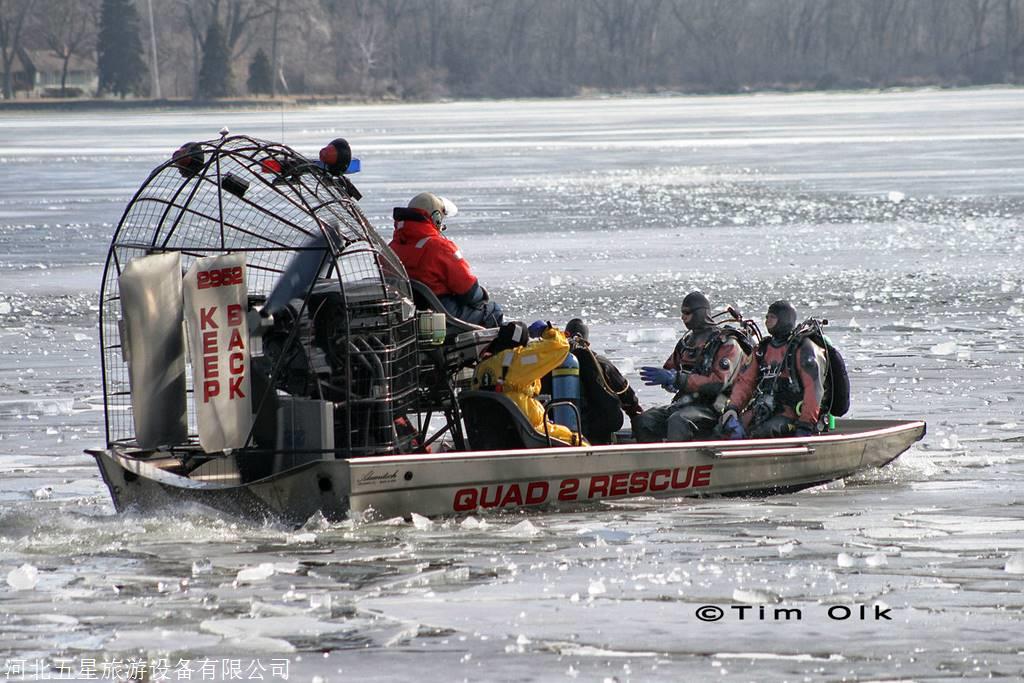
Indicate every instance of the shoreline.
{"type": "Point", "coordinates": [106, 104]}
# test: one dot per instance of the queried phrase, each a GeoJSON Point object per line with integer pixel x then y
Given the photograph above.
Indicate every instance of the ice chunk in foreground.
{"type": "Point", "coordinates": [896, 197]}
{"type": "Point", "coordinates": [597, 587]}
{"type": "Point", "coordinates": [845, 560]}
{"type": "Point", "coordinates": [261, 573]}
{"type": "Point", "coordinates": [421, 523]}
{"type": "Point", "coordinates": [24, 578]}
{"type": "Point", "coordinates": [876, 560]}
{"type": "Point", "coordinates": [524, 529]}
{"type": "Point", "coordinates": [1014, 565]}
{"type": "Point", "coordinates": [943, 349]}
{"type": "Point", "coordinates": [755, 596]}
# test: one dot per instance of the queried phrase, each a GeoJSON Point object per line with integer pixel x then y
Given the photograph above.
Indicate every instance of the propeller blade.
{"type": "Point", "coordinates": [299, 276]}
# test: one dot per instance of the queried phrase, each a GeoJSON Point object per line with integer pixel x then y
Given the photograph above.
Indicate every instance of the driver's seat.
{"type": "Point", "coordinates": [426, 300]}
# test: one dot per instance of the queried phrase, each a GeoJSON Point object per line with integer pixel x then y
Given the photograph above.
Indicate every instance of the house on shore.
{"type": "Point", "coordinates": [38, 73]}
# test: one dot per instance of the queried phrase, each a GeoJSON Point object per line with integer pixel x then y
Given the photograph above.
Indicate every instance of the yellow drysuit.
{"type": "Point", "coordinates": [522, 367]}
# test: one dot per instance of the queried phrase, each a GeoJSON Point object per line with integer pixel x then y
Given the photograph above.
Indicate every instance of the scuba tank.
{"type": "Point", "coordinates": [565, 386]}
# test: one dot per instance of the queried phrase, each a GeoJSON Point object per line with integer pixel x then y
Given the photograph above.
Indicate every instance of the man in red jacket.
{"type": "Point", "coordinates": [434, 260]}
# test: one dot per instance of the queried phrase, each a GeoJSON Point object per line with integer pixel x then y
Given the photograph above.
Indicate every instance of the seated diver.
{"type": "Point", "coordinates": [606, 394]}
{"type": "Point", "coordinates": [514, 366]}
{"type": "Point", "coordinates": [702, 366]}
{"type": "Point", "coordinates": [434, 260]}
{"type": "Point", "coordinates": [779, 392]}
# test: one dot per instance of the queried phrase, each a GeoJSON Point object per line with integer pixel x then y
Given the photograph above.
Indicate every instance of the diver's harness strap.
{"type": "Point", "coordinates": [769, 392]}
{"type": "Point", "coordinates": [707, 358]}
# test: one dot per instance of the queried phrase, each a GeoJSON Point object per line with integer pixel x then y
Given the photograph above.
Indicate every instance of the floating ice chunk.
{"type": "Point", "coordinates": [876, 560]}
{"type": "Point", "coordinates": [261, 573]}
{"type": "Point", "coordinates": [896, 197]}
{"type": "Point", "coordinates": [755, 596]}
{"type": "Point", "coordinates": [597, 587]}
{"type": "Point", "coordinates": [24, 578]}
{"type": "Point", "coordinates": [555, 280]}
{"type": "Point", "coordinates": [270, 627]}
{"type": "Point", "coordinates": [421, 523]}
{"type": "Point", "coordinates": [521, 642]}
{"type": "Point", "coordinates": [5, 308]}
{"type": "Point", "coordinates": [853, 324]}
{"type": "Point", "coordinates": [943, 349]}
{"type": "Point", "coordinates": [1014, 564]}
{"type": "Point", "coordinates": [647, 335]}
{"type": "Point", "coordinates": [845, 560]}
{"type": "Point", "coordinates": [524, 529]}
{"type": "Point", "coordinates": [300, 538]}
{"type": "Point", "coordinates": [472, 522]}
{"type": "Point", "coordinates": [81, 337]}
{"type": "Point", "coordinates": [950, 443]}
{"type": "Point", "coordinates": [161, 639]}
{"type": "Point", "coordinates": [786, 548]}
{"type": "Point", "coordinates": [320, 602]}
{"type": "Point", "coordinates": [203, 566]}
{"type": "Point", "coordinates": [607, 535]}
{"type": "Point", "coordinates": [316, 522]}
{"type": "Point", "coordinates": [43, 493]}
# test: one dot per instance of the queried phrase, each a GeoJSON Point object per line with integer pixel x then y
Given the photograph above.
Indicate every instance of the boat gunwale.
{"type": "Point", "coordinates": [706, 447]}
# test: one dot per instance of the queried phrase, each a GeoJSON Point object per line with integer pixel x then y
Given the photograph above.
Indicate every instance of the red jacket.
{"type": "Point", "coordinates": [430, 257]}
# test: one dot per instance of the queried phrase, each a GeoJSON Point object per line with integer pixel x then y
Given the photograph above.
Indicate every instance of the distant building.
{"type": "Point", "coordinates": [37, 73]}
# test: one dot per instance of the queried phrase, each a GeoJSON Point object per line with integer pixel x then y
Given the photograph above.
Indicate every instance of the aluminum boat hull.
{"type": "Point", "coordinates": [467, 482]}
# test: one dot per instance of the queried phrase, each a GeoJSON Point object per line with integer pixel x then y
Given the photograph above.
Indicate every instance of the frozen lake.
{"type": "Point", "coordinates": [895, 215]}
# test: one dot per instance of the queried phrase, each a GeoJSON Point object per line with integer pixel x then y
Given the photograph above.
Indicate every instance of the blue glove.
{"type": "Point", "coordinates": [658, 376]}
{"type": "Point", "coordinates": [537, 328]}
{"type": "Point", "coordinates": [733, 428]}
{"type": "Point", "coordinates": [729, 424]}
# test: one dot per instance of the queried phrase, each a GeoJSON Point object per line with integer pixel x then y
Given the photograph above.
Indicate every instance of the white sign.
{"type": "Point", "coordinates": [218, 336]}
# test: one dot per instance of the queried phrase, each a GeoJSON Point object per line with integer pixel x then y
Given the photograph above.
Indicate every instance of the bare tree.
{"type": "Point", "coordinates": [14, 16]}
{"type": "Point", "coordinates": [69, 30]}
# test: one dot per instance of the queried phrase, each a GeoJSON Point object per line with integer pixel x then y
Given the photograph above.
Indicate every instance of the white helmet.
{"type": "Point", "coordinates": [438, 208]}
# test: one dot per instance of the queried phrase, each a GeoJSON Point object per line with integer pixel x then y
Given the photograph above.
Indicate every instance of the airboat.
{"type": "Point", "coordinates": [265, 354]}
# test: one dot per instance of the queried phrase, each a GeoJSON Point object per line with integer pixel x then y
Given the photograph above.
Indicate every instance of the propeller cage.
{"type": "Point", "coordinates": [343, 335]}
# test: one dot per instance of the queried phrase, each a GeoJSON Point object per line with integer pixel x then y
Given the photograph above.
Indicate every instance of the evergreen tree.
{"type": "Point", "coordinates": [261, 81]}
{"type": "Point", "coordinates": [215, 71]}
{"type": "Point", "coordinates": [119, 48]}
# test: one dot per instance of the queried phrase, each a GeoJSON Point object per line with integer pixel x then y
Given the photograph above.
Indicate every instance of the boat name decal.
{"type": "Point", "coordinates": [600, 486]}
{"type": "Point", "coordinates": [375, 477]}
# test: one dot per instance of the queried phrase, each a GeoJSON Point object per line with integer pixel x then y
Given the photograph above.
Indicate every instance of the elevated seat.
{"type": "Point", "coordinates": [494, 422]}
{"type": "Point", "coordinates": [426, 300]}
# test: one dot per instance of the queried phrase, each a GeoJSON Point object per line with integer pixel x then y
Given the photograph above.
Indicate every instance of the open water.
{"type": "Point", "coordinates": [894, 215]}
